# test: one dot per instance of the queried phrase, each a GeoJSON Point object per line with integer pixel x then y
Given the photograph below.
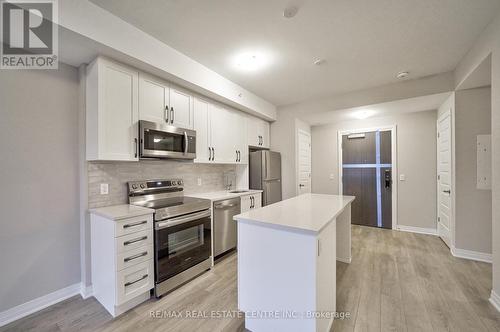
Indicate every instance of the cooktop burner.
{"type": "Point", "coordinates": [166, 197]}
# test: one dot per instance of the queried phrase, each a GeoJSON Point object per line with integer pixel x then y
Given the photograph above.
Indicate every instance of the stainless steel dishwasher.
{"type": "Point", "coordinates": [224, 225]}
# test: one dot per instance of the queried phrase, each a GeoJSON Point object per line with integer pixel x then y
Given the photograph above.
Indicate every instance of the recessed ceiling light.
{"type": "Point", "coordinates": [251, 61]}
{"type": "Point", "coordinates": [402, 74]}
{"type": "Point", "coordinates": [363, 114]}
{"type": "Point", "coordinates": [290, 12]}
{"type": "Point", "coordinates": [319, 62]}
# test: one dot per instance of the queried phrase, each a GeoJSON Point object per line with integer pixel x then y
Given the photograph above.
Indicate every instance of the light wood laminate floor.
{"type": "Point", "coordinates": [396, 282]}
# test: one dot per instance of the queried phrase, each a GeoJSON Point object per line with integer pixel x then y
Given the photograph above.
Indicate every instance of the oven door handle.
{"type": "Point", "coordinates": [180, 220]}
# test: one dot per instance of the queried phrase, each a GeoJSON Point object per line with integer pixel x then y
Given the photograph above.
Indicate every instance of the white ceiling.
{"type": "Point", "coordinates": [365, 42]}
{"type": "Point", "coordinates": [408, 105]}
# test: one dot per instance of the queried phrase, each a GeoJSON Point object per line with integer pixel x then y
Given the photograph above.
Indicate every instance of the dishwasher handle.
{"type": "Point", "coordinates": [225, 206]}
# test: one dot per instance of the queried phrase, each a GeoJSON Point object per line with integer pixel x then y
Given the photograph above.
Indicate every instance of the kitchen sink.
{"type": "Point", "coordinates": [238, 191]}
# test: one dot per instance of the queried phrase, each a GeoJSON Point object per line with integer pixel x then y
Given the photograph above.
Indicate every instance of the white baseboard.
{"type": "Point", "coordinates": [472, 255]}
{"type": "Point", "coordinates": [86, 291]}
{"type": "Point", "coordinates": [37, 304]}
{"type": "Point", "coordinates": [495, 300]}
{"type": "Point", "coordinates": [419, 230]}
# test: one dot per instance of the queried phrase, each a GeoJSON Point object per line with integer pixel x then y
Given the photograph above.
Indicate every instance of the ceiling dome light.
{"type": "Point", "coordinates": [363, 114]}
{"type": "Point", "coordinates": [402, 74]}
{"type": "Point", "coordinates": [251, 61]}
{"type": "Point", "coordinates": [290, 12]}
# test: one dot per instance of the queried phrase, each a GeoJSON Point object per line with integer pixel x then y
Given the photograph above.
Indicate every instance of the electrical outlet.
{"type": "Point", "coordinates": [104, 188]}
{"type": "Point", "coordinates": [199, 181]}
{"type": "Point", "coordinates": [331, 177]}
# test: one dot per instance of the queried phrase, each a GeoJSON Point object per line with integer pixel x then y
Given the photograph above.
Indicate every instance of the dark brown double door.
{"type": "Point", "coordinates": [367, 174]}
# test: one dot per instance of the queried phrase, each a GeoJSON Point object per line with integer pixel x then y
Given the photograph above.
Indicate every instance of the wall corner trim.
{"type": "Point", "coordinates": [37, 304]}
{"type": "Point", "coordinates": [472, 255]}
{"type": "Point", "coordinates": [86, 291]}
{"type": "Point", "coordinates": [495, 300]}
{"type": "Point", "coordinates": [418, 230]}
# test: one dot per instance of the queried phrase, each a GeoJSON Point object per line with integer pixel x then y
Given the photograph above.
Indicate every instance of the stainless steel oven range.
{"type": "Point", "coordinates": [182, 231]}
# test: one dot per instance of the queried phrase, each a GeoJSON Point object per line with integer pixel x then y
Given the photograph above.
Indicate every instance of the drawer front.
{"type": "Point", "coordinates": [134, 256]}
{"type": "Point", "coordinates": [133, 225]}
{"type": "Point", "coordinates": [134, 241]}
{"type": "Point", "coordinates": [134, 281]}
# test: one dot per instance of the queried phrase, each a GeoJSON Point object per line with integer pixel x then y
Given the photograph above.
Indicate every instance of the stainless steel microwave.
{"type": "Point", "coordinates": [157, 140]}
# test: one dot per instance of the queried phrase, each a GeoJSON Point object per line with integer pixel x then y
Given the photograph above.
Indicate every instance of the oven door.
{"type": "Point", "coordinates": [181, 243]}
{"type": "Point", "coordinates": [164, 141]}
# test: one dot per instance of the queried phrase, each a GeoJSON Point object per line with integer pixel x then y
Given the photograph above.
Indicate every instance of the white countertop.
{"type": "Point", "coordinates": [118, 212]}
{"type": "Point", "coordinates": [225, 194]}
{"type": "Point", "coordinates": [310, 212]}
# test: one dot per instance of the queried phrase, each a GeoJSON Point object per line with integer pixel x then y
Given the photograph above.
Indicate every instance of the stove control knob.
{"type": "Point", "coordinates": [134, 186]}
{"type": "Point", "coordinates": [179, 182]}
{"type": "Point", "coordinates": [143, 186]}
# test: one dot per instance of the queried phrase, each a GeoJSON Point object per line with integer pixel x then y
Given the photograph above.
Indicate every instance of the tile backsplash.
{"type": "Point", "coordinates": [117, 174]}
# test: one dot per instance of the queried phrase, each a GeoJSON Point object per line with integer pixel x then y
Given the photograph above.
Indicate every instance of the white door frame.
{"type": "Point", "coordinates": [451, 114]}
{"type": "Point", "coordinates": [395, 174]}
{"type": "Point", "coordinates": [297, 160]}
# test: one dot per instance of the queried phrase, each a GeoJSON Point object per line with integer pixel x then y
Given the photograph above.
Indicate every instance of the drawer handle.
{"type": "Point", "coordinates": [135, 224]}
{"type": "Point", "coordinates": [135, 281]}
{"type": "Point", "coordinates": [126, 243]}
{"type": "Point", "coordinates": [128, 259]}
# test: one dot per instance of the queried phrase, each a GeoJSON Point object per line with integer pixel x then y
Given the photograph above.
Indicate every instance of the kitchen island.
{"type": "Point", "coordinates": [287, 256]}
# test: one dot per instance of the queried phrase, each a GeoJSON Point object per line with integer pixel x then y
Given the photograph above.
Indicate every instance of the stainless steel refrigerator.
{"type": "Point", "coordinates": [265, 174]}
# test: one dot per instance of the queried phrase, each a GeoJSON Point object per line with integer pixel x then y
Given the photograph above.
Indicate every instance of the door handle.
{"type": "Point", "coordinates": [301, 185]}
{"type": "Point", "coordinates": [447, 191]}
{"type": "Point", "coordinates": [388, 178]}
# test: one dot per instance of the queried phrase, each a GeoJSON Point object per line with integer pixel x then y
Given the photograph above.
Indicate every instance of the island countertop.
{"type": "Point", "coordinates": [309, 212]}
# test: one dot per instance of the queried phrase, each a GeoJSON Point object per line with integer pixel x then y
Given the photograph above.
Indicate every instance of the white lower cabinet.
{"type": "Point", "coordinates": [122, 257]}
{"type": "Point", "coordinates": [249, 202]}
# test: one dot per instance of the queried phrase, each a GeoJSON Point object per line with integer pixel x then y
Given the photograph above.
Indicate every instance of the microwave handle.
{"type": "Point", "coordinates": [186, 143]}
{"type": "Point", "coordinates": [166, 113]}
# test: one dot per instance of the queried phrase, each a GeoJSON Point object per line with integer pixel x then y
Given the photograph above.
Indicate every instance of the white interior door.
{"type": "Point", "coordinates": [304, 163]}
{"type": "Point", "coordinates": [444, 178]}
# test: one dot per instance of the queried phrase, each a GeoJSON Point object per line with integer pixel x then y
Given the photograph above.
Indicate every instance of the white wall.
{"type": "Point", "coordinates": [472, 206]}
{"type": "Point", "coordinates": [284, 140]}
{"type": "Point", "coordinates": [489, 43]}
{"type": "Point", "coordinates": [416, 156]}
{"type": "Point", "coordinates": [39, 240]}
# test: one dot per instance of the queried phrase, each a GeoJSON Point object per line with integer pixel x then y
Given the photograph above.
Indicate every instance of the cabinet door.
{"type": "Point", "coordinates": [264, 133]}
{"type": "Point", "coordinates": [240, 136]}
{"type": "Point", "coordinates": [325, 273]}
{"type": "Point", "coordinates": [252, 131]}
{"type": "Point", "coordinates": [221, 139]}
{"type": "Point", "coordinates": [117, 111]}
{"type": "Point", "coordinates": [153, 99]}
{"type": "Point", "coordinates": [257, 200]}
{"type": "Point", "coordinates": [181, 109]}
{"type": "Point", "coordinates": [201, 125]}
{"type": "Point", "coordinates": [246, 203]}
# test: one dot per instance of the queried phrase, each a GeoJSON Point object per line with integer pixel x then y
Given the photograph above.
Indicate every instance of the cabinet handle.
{"type": "Point", "coordinates": [209, 153]}
{"type": "Point", "coordinates": [128, 259]}
{"type": "Point", "coordinates": [251, 202]}
{"type": "Point", "coordinates": [135, 224]}
{"type": "Point", "coordinates": [239, 155]}
{"type": "Point", "coordinates": [135, 146]}
{"type": "Point", "coordinates": [126, 243]}
{"type": "Point", "coordinates": [171, 115]}
{"type": "Point", "coordinates": [213, 153]}
{"type": "Point", "coordinates": [133, 282]}
{"type": "Point", "coordinates": [166, 114]}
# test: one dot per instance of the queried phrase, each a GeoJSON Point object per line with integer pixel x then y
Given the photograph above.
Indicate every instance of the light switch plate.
{"type": "Point", "coordinates": [104, 188]}
{"type": "Point", "coordinates": [332, 176]}
{"type": "Point", "coordinates": [402, 177]}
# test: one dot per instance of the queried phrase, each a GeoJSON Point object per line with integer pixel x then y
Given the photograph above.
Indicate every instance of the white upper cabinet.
{"type": "Point", "coordinates": [112, 111]}
{"type": "Point", "coordinates": [239, 135]}
{"type": "Point", "coordinates": [221, 135]}
{"type": "Point", "coordinates": [153, 99]}
{"type": "Point", "coordinates": [257, 132]}
{"type": "Point", "coordinates": [181, 108]}
{"type": "Point", "coordinates": [202, 127]}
